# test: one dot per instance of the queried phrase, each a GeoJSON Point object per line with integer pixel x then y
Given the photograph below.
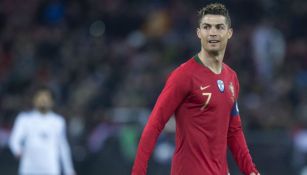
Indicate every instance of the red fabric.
{"type": "Point", "coordinates": [202, 132]}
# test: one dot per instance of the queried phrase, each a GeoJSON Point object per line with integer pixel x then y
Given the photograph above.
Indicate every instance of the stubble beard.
{"type": "Point", "coordinates": [43, 109]}
{"type": "Point", "coordinates": [213, 52]}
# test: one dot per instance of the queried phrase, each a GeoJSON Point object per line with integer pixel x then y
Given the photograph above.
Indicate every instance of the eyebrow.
{"type": "Point", "coordinates": [219, 24]}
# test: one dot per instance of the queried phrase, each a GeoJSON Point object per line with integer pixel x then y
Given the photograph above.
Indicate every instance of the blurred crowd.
{"type": "Point", "coordinates": [107, 60]}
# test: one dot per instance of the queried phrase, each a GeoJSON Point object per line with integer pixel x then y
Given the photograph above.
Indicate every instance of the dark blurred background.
{"type": "Point", "coordinates": [107, 61]}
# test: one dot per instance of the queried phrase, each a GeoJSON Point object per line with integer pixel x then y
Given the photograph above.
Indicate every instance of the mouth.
{"type": "Point", "coordinates": [213, 41]}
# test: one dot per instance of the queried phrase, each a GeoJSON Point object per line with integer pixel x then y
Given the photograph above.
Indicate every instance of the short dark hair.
{"type": "Point", "coordinates": [40, 88]}
{"type": "Point", "coordinates": [214, 9]}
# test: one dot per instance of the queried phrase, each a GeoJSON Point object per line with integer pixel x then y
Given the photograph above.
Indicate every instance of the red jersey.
{"type": "Point", "coordinates": [207, 120]}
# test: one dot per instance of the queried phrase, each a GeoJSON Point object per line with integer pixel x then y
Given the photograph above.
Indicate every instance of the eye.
{"type": "Point", "coordinates": [220, 27]}
{"type": "Point", "coordinates": [206, 27]}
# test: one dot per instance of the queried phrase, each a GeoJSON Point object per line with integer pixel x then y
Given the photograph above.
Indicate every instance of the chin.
{"type": "Point", "coordinates": [43, 109]}
{"type": "Point", "coordinates": [213, 51]}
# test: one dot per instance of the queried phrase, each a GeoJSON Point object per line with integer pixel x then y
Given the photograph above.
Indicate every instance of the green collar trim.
{"type": "Point", "coordinates": [197, 59]}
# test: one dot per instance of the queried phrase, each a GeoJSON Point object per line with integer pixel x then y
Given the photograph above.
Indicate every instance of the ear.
{"type": "Point", "coordinates": [198, 32]}
{"type": "Point", "coordinates": [229, 33]}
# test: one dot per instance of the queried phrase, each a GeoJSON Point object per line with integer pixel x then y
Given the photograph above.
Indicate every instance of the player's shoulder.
{"type": "Point", "coordinates": [189, 64]}
{"type": "Point", "coordinates": [25, 114]}
{"type": "Point", "coordinates": [56, 116]}
{"type": "Point", "coordinates": [24, 117]}
{"type": "Point", "coordinates": [229, 70]}
{"type": "Point", "coordinates": [185, 67]}
{"type": "Point", "coordinates": [181, 73]}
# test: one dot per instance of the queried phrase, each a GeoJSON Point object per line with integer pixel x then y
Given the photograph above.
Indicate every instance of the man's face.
{"type": "Point", "coordinates": [214, 33]}
{"type": "Point", "coordinates": [43, 101]}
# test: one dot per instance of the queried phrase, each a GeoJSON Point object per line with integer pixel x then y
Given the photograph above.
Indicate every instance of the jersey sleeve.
{"type": "Point", "coordinates": [172, 95]}
{"type": "Point", "coordinates": [65, 153]}
{"type": "Point", "coordinates": [236, 140]}
{"type": "Point", "coordinates": [18, 135]}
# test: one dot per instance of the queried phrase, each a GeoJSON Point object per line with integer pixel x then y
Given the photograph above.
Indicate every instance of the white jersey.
{"type": "Point", "coordinates": [40, 140]}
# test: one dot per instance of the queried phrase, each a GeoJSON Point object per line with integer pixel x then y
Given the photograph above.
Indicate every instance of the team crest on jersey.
{"type": "Point", "coordinates": [231, 88]}
{"type": "Point", "coordinates": [220, 84]}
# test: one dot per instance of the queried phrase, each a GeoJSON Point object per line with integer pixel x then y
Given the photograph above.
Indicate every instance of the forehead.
{"type": "Point", "coordinates": [42, 93]}
{"type": "Point", "coordinates": [213, 19]}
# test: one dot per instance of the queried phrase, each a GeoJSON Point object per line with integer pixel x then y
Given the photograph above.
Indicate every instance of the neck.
{"type": "Point", "coordinates": [213, 61]}
{"type": "Point", "coordinates": [43, 110]}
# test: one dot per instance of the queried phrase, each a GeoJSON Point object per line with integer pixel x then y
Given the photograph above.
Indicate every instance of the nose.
{"type": "Point", "coordinates": [212, 31]}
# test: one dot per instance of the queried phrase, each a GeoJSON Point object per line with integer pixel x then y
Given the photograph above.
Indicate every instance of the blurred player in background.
{"type": "Point", "coordinates": [39, 139]}
{"type": "Point", "coordinates": [203, 94]}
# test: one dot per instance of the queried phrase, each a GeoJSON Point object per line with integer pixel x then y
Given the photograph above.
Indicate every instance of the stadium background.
{"type": "Point", "coordinates": [107, 61]}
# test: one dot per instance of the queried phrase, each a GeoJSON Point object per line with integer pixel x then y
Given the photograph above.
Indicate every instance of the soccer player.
{"type": "Point", "coordinates": [203, 94]}
{"type": "Point", "coordinates": [39, 139]}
